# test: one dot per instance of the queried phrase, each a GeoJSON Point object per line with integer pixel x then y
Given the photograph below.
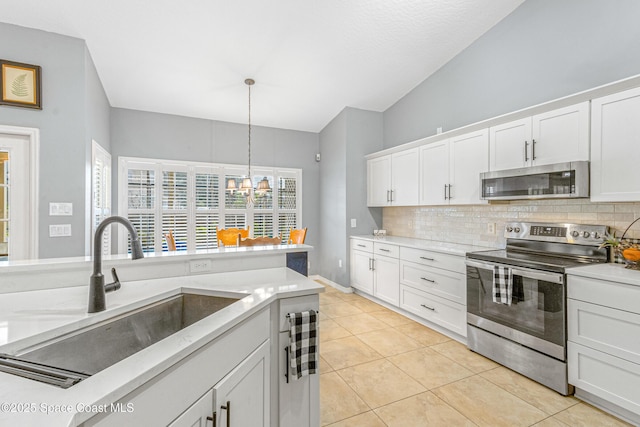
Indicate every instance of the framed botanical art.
{"type": "Point", "coordinates": [20, 84]}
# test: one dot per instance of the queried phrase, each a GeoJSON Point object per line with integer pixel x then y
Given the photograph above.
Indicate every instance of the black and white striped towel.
{"type": "Point", "coordinates": [303, 334]}
{"type": "Point", "coordinates": [502, 285]}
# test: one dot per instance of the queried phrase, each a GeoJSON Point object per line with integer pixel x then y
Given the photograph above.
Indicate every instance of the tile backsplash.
{"type": "Point", "coordinates": [469, 224]}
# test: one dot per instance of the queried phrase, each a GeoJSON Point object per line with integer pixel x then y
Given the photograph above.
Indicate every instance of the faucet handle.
{"type": "Point", "coordinates": [116, 283]}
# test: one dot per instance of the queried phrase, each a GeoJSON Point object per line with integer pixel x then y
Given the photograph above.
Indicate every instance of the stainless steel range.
{"type": "Point", "coordinates": [525, 328]}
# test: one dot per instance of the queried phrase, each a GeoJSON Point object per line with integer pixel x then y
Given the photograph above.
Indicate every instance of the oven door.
{"type": "Point", "coordinates": [536, 316]}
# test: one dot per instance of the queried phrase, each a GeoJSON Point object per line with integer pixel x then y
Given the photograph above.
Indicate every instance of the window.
{"type": "Point", "coordinates": [101, 193]}
{"type": "Point", "coordinates": [191, 200]}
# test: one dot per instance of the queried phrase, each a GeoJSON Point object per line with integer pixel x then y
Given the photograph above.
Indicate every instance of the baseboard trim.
{"type": "Point", "coordinates": [345, 289]}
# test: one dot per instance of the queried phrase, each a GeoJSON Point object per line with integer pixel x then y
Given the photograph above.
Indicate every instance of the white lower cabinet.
{"type": "Point", "coordinates": [603, 346]}
{"type": "Point", "coordinates": [386, 286]}
{"type": "Point", "coordinates": [449, 315]}
{"type": "Point", "coordinates": [198, 414]}
{"type": "Point", "coordinates": [361, 267]}
{"type": "Point", "coordinates": [242, 397]}
{"type": "Point", "coordinates": [375, 269]}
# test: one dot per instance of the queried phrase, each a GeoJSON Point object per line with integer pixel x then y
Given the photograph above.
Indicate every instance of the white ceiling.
{"type": "Point", "coordinates": [310, 58]}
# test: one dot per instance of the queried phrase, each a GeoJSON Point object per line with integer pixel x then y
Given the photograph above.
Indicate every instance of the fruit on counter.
{"type": "Point", "coordinates": [631, 254]}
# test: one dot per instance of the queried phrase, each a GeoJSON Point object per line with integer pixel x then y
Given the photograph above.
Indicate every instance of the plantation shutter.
{"type": "Point", "coordinates": [141, 203]}
{"type": "Point", "coordinates": [101, 192]}
{"type": "Point", "coordinates": [174, 207]}
{"type": "Point", "coordinates": [207, 209]}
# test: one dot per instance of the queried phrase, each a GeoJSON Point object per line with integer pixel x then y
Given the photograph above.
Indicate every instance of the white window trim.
{"type": "Point", "coordinates": [158, 165]}
{"type": "Point", "coordinates": [34, 174]}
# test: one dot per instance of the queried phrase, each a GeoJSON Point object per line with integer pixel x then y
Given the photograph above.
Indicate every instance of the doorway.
{"type": "Point", "coordinates": [18, 202]}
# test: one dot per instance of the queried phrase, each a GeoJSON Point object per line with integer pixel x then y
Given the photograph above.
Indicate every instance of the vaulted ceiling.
{"type": "Point", "coordinates": [310, 58]}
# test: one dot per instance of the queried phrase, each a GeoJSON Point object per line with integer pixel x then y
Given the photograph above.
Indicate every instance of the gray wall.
{"type": "Point", "coordinates": [543, 50]}
{"type": "Point", "coordinates": [69, 85]}
{"type": "Point", "coordinates": [163, 136]}
{"type": "Point", "coordinates": [343, 173]}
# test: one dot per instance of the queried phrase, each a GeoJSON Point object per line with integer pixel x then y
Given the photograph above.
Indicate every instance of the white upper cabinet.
{"type": "Point", "coordinates": [556, 136]}
{"type": "Point", "coordinates": [393, 179]}
{"type": "Point", "coordinates": [615, 147]}
{"type": "Point", "coordinates": [450, 170]}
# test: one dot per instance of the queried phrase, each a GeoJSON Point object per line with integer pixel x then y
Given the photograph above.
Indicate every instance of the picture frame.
{"type": "Point", "coordinates": [20, 85]}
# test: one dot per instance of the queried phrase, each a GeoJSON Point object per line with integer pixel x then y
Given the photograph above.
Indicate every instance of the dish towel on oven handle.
{"type": "Point", "coordinates": [502, 284]}
{"type": "Point", "coordinates": [303, 336]}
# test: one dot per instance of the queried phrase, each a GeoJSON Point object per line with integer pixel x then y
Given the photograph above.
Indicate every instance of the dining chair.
{"type": "Point", "coordinates": [171, 241]}
{"type": "Point", "coordinates": [259, 241]}
{"type": "Point", "coordinates": [297, 236]}
{"type": "Point", "coordinates": [229, 236]}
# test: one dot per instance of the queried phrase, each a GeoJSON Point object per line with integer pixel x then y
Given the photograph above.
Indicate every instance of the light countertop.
{"type": "Point", "coordinates": [431, 245]}
{"type": "Point", "coordinates": [610, 272]}
{"type": "Point", "coordinates": [27, 318]}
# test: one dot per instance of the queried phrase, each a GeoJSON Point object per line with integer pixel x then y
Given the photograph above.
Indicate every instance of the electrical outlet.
{"type": "Point", "coordinates": [339, 263]}
{"type": "Point", "coordinates": [491, 227]}
{"type": "Point", "coordinates": [200, 266]}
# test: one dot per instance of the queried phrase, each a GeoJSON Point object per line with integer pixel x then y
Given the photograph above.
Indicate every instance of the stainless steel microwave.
{"type": "Point", "coordinates": [560, 180]}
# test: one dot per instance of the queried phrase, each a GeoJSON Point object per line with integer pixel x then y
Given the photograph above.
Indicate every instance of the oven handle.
{"type": "Point", "coordinates": [524, 272]}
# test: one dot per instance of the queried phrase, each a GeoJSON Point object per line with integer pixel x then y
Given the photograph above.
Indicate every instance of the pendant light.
{"type": "Point", "coordinates": [247, 186]}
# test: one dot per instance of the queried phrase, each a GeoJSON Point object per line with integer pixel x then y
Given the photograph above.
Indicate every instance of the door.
{"type": "Point", "coordinates": [17, 221]}
{"type": "Point", "coordinates": [536, 316]}
{"type": "Point", "coordinates": [197, 414]}
{"type": "Point", "coordinates": [387, 279]}
{"type": "Point", "coordinates": [404, 178]}
{"type": "Point", "coordinates": [361, 271]}
{"type": "Point", "coordinates": [242, 397]}
{"type": "Point", "coordinates": [561, 135]}
{"type": "Point", "coordinates": [509, 145]}
{"type": "Point", "coordinates": [379, 181]}
{"type": "Point", "coordinates": [434, 173]}
{"type": "Point", "coordinates": [614, 147]}
{"type": "Point", "coordinates": [469, 156]}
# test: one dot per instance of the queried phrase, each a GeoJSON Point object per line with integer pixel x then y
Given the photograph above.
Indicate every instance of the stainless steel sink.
{"type": "Point", "coordinates": [92, 349]}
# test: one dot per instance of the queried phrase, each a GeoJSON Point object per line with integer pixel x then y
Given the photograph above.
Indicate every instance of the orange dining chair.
{"type": "Point", "coordinates": [229, 236]}
{"type": "Point", "coordinates": [259, 241]}
{"type": "Point", "coordinates": [297, 236]}
{"type": "Point", "coordinates": [171, 241]}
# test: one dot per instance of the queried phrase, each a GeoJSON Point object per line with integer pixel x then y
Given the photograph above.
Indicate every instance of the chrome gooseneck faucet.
{"type": "Point", "coordinates": [97, 288]}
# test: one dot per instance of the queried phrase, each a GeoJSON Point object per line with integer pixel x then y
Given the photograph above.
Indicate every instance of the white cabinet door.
{"type": "Point", "coordinates": [242, 397]}
{"type": "Point", "coordinates": [434, 173]}
{"type": "Point", "coordinates": [615, 142]}
{"type": "Point", "coordinates": [468, 157]}
{"type": "Point", "coordinates": [361, 271]}
{"type": "Point", "coordinates": [404, 178]}
{"type": "Point", "coordinates": [196, 415]}
{"type": "Point", "coordinates": [561, 135]}
{"type": "Point", "coordinates": [509, 145]}
{"type": "Point", "coordinates": [387, 280]}
{"type": "Point", "coordinates": [379, 181]}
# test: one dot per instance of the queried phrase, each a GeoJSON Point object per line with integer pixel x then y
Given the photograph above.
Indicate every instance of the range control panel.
{"type": "Point", "coordinates": [584, 234]}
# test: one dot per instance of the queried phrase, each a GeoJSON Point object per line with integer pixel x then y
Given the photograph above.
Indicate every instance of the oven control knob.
{"type": "Point", "coordinates": [517, 229]}
{"type": "Point", "coordinates": [509, 229]}
{"type": "Point", "coordinates": [575, 233]}
{"type": "Point", "coordinates": [586, 234]}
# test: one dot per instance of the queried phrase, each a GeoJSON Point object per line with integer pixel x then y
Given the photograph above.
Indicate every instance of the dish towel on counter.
{"type": "Point", "coordinates": [502, 284]}
{"type": "Point", "coordinates": [303, 335]}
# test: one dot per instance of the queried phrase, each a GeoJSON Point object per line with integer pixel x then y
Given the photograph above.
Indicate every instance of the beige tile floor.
{"type": "Point", "coordinates": [378, 368]}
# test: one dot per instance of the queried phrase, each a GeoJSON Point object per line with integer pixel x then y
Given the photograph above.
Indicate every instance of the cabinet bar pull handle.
{"type": "Point", "coordinates": [388, 200]}
{"type": "Point", "coordinates": [428, 308]}
{"type": "Point", "coordinates": [373, 264]}
{"type": "Point", "coordinates": [385, 250]}
{"type": "Point", "coordinates": [526, 149]}
{"type": "Point", "coordinates": [391, 196]}
{"type": "Point", "coordinates": [445, 191]}
{"type": "Point", "coordinates": [212, 418]}
{"type": "Point", "coordinates": [533, 149]}
{"type": "Point", "coordinates": [287, 362]}
{"type": "Point", "coordinates": [362, 246]}
{"type": "Point", "coordinates": [228, 408]}
{"type": "Point", "coordinates": [428, 280]}
{"type": "Point", "coordinates": [427, 259]}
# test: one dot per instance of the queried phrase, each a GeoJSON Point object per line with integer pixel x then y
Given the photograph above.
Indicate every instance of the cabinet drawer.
{"type": "Point", "coordinates": [443, 283]}
{"type": "Point", "coordinates": [386, 249]}
{"type": "Point", "coordinates": [438, 310]}
{"type": "Point", "coordinates": [433, 259]}
{"type": "Point", "coordinates": [605, 376]}
{"type": "Point", "coordinates": [362, 245]}
{"type": "Point", "coordinates": [294, 305]}
{"type": "Point", "coordinates": [613, 331]}
{"type": "Point", "coordinates": [603, 292]}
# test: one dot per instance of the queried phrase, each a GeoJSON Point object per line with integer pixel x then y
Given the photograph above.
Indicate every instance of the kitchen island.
{"type": "Point", "coordinates": [173, 373]}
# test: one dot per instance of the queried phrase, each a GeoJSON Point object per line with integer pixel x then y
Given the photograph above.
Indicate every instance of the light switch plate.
{"type": "Point", "coordinates": [60, 209]}
{"type": "Point", "coordinates": [59, 230]}
{"type": "Point", "coordinates": [353, 223]}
